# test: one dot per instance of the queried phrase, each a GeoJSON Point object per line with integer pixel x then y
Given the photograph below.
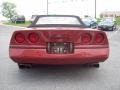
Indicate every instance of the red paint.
{"type": "Point", "coordinates": [93, 49]}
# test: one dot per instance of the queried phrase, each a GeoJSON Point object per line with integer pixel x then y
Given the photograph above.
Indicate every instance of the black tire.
{"type": "Point", "coordinates": [23, 22]}
{"type": "Point", "coordinates": [96, 65]}
{"type": "Point", "coordinates": [113, 28]}
{"type": "Point", "coordinates": [23, 66]}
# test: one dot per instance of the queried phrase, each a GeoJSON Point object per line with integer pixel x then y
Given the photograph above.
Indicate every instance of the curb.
{"type": "Point", "coordinates": [12, 25]}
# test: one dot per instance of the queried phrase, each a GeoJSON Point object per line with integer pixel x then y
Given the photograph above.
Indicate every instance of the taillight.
{"type": "Point", "coordinates": [86, 38]}
{"type": "Point", "coordinates": [19, 37]}
{"type": "Point", "coordinates": [99, 38]}
{"type": "Point", "coordinates": [33, 37]}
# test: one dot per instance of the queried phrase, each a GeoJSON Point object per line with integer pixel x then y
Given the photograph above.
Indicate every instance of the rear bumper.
{"type": "Point", "coordinates": [20, 20]}
{"type": "Point", "coordinates": [39, 56]}
{"type": "Point", "coordinates": [105, 28]}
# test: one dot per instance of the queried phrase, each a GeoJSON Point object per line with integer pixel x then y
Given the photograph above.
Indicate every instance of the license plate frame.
{"type": "Point", "coordinates": [60, 48]}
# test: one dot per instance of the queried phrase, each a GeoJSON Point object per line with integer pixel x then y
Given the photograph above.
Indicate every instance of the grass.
{"type": "Point", "coordinates": [26, 24]}
{"type": "Point", "coordinates": [118, 21]}
{"type": "Point", "coordinates": [98, 20]}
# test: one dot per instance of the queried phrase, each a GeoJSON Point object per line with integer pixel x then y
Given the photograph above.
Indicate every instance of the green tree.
{"type": "Point", "coordinates": [8, 9]}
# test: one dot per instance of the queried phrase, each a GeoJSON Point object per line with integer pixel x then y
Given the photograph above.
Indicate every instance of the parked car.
{"type": "Point", "coordinates": [89, 23]}
{"type": "Point", "coordinates": [89, 18]}
{"type": "Point", "coordinates": [108, 25]}
{"type": "Point", "coordinates": [58, 40]}
{"type": "Point", "coordinates": [18, 19]}
{"type": "Point", "coordinates": [33, 18]}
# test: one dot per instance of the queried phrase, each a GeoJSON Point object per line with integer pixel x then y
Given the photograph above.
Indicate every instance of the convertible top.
{"type": "Point", "coordinates": [57, 25]}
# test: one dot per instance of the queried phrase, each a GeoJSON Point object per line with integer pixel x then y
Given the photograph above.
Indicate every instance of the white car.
{"type": "Point", "coordinates": [88, 18]}
{"type": "Point", "coordinates": [90, 23]}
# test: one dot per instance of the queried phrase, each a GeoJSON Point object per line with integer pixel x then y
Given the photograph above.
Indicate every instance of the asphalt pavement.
{"type": "Point", "coordinates": [107, 77]}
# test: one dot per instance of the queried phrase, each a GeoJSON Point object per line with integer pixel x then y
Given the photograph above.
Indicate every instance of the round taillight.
{"type": "Point", "coordinates": [99, 38]}
{"type": "Point", "coordinates": [86, 38]}
{"type": "Point", "coordinates": [19, 37]}
{"type": "Point", "coordinates": [33, 37]}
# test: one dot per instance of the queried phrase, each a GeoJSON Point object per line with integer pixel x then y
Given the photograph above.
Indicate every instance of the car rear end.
{"type": "Point", "coordinates": [59, 46]}
{"type": "Point", "coordinates": [21, 18]}
{"type": "Point", "coordinates": [106, 28]}
{"type": "Point", "coordinates": [107, 25]}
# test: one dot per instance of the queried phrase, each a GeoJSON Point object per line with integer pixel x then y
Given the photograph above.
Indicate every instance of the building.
{"type": "Point", "coordinates": [110, 14]}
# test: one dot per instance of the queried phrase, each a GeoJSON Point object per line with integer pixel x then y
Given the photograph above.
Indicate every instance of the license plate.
{"type": "Point", "coordinates": [60, 48]}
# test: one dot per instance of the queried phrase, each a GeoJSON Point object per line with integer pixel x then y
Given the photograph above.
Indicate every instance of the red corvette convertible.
{"type": "Point", "coordinates": [58, 40]}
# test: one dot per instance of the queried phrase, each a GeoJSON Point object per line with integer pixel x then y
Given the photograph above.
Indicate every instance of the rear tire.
{"type": "Point", "coordinates": [23, 66]}
{"type": "Point", "coordinates": [112, 28]}
{"type": "Point", "coordinates": [96, 65]}
{"type": "Point", "coordinates": [23, 22]}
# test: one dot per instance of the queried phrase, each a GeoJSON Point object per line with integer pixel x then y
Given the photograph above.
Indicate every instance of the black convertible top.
{"type": "Point", "coordinates": [57, 25]}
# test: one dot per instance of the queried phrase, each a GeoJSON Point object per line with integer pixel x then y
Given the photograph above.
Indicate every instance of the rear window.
{"type": "Point", "coordinates": [21, 16]}
{"type": "Point", "coordinates": [58, 20]}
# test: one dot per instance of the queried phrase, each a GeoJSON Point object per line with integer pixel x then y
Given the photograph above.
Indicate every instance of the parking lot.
{"type": "Point", "coordinates": [107, 77]}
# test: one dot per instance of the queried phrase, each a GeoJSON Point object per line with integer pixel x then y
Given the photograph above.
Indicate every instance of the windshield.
{"type": "Point", "coordinates": [106, 23]}
{"type": "Point", "coordinates": [58, 20]}
{"type": "Point", "coordinates": [20, 16]}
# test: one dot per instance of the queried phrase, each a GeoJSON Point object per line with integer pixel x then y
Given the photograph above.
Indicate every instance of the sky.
{"type": "Point", "coordinates": [73, 7]}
